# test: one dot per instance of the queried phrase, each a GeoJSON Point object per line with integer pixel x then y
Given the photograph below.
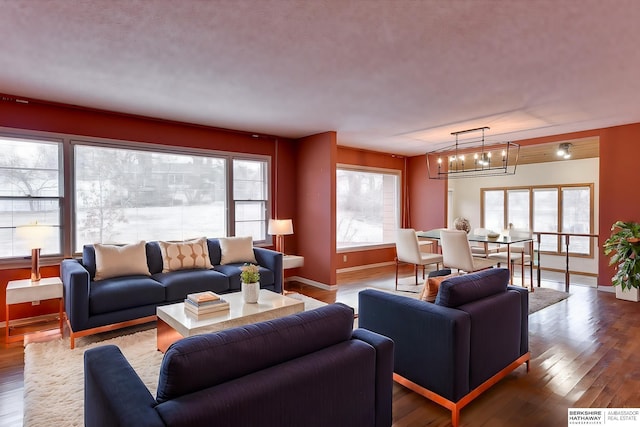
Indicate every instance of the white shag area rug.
{"type": "Point", "coordinates": [54, 374]}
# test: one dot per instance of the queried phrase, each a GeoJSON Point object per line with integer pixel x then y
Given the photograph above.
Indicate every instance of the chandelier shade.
{"type": "Point", "coordinates": [473, 158]}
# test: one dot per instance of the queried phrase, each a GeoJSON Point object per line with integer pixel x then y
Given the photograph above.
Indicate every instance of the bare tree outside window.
{"type": "Point", "coordinates": [367, 207]}
{"type": "Point", "coordinates": [30, 183]}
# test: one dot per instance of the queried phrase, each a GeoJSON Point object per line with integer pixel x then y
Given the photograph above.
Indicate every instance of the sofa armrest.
{"type": "Point", "coordinates": [432, 343]}
{"type": "Point", "coordinates": [273, 261]}
{"type": "Point", "coordinates": [384, 373]}
{"type": "Point", "coordinates": [75, 281]}
{"type": "Point", "coordinates": [114, 395]}
{"type": "Point", "coordinates": [524, 323]}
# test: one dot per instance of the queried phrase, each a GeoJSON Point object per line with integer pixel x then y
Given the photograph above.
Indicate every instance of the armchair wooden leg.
{"type": "Point", "coordinates": [396, 273]}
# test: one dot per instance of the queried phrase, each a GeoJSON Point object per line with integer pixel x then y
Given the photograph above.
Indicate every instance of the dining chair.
{"type": "Point", "coordinates": [456, 252]}
{"type": "Point", "coordinates": [408, 251]}
{"type": "Point", "coordinates": [520, 253]}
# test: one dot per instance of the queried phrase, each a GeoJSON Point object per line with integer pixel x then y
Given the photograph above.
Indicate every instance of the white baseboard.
{"type": "Point", "coordinates": [364, 267]}
{"type": "Point", "coordinates": [311, 283]}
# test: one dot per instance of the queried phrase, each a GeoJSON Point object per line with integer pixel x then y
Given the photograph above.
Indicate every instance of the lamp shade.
{"type": "Point", "coordinates": [280, 227]}
{"type": "Point", "coordinates": [34, 234]}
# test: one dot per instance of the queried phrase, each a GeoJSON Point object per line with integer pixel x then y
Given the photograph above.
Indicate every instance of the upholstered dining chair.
{"type": "Point", "coordinates": [408, 251]}
{"type": "Point", "coordinates": [456, 252]}
{"type": "Point", "coordinates": [521, 254]}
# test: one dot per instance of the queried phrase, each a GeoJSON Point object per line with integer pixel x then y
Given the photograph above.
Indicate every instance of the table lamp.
{"type": "Point", "coordinates": [280, 228]}
{"type": "Point", "coordinates": [35, 235]}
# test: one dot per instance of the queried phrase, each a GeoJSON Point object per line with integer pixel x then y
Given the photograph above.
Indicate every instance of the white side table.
{"type": "Point", "coordinates": [21, 291]}
{"type": "Point", "coordinates": [292, 261]}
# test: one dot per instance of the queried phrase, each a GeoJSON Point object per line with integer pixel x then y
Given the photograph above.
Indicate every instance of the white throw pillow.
{"type": "Point", "coordinates": [115, 261]}
{"type": "Point", "coordinates": [185, 255]}
{"type": "Point", "coordinates": [237, 249]}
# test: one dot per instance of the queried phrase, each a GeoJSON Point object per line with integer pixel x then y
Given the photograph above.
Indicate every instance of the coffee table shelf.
{"type": "Point", "coordinates": [174, 323]}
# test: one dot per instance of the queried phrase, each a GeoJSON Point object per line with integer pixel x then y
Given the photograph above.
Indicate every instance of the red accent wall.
{"type": "Point", "coordinates": [427, 198]}
{"type": "Point", "coordinates": [316, 204]}
{"type": "Point", "coordinates": [619, 189]}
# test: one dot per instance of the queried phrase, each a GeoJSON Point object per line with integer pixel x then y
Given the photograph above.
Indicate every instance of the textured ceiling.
{"type": "Point", "coordinates": [395, 76]}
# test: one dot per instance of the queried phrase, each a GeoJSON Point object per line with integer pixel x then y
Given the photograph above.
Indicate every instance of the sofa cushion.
{"type": "Point", "coordinates": [121, 293]}
{"type": "Point", "coordinates": [185, 255]}
{"type": "Point", "coordinates": [232, 271]}
{"type": "Point", "coordinates": [241, 351]}
{"type": "Point", "coordinates": [117, 261]}
{"type": "Point", "coordinates": [460, 290]}
{"type": "Point", "coordinates": [178, 284]}
{"type": "Point", "coordinates": [237, 249]}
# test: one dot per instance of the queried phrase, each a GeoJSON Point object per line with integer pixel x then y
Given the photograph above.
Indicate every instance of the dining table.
{"type": "Point", "coordinates": [503, 238]}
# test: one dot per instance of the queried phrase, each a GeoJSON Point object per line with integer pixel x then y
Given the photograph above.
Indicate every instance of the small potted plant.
{"type": "Point", "coordinates": [250, 278]}
{"type": "Point", "coordinates": [623, 246]}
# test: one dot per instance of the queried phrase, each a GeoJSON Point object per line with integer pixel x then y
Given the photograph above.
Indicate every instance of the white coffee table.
{"type": "Point", "coordinates": [174, 323]}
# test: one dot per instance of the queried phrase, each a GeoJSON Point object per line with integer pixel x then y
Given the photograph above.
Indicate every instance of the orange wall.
{"type": "Point", "coordinates": [619, 189]}
{"type": "Point", "coordinates": [316, 205]}
{"type": "Point", "coordinates": [427, 198]}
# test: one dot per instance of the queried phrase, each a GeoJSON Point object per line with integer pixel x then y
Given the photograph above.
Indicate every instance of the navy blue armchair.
{"type": "Point", "coordinates": [452, 350]}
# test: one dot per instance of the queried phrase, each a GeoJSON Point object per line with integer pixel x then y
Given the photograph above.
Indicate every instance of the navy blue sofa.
{"type": "Point", "coordinates": [308, 369]}
{"type": "Point", "coordinates": [97, 306]}
{"type": "Point", "coordinates": [452, 350]}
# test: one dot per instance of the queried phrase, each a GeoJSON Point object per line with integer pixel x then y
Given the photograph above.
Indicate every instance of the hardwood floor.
{"type": "Point", "coordinates": [583, 355]}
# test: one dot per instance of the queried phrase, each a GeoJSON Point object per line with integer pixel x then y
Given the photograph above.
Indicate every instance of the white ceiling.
{"type": "Point", "coordinates": [387, 75]}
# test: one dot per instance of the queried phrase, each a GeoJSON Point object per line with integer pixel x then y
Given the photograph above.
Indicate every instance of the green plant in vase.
{"type": "Point", "coordinates": [623, 246]}
{"type": "Point", "coordinates": [250, 273]}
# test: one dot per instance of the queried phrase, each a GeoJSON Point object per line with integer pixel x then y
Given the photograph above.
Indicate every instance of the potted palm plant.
{"type": "Point", "coordinates": [623, 248]}
{"type": "Point", "coordinates": [250, 278]}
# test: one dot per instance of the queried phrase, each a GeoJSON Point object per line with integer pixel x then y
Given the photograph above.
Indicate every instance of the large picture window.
{"type": "Point", "coordinates": [556, 209]}
{"type": "Point", "coordinates": [126, 195]}
{"type": "Point", "coordinates": [121, 192]}
{"type": "Point", "coordinates": [367, 207]}
{"type": "Point", "coordinates": [30, 192]}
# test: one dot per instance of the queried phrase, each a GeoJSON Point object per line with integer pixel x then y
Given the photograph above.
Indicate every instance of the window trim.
{"type": "Point", "coordinates": [66, 143]}
{"type": "Point", "coordinates": [17, 261]}
{"type": "Point", "coordinates": [371, 169]}
{"type": "Point", "coordinates": [559, 187]}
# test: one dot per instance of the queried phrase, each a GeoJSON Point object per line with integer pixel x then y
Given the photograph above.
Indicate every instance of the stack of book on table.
{"type": "Point", "coordinates": [203, 303]}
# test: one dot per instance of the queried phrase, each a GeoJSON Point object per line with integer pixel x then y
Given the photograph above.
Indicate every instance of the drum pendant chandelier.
{"type": "Point", "coordinates": [472, 158]}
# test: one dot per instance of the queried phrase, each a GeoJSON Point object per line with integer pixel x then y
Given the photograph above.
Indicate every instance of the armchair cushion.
{"type": "Point", "coordinates": [460, 290]}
